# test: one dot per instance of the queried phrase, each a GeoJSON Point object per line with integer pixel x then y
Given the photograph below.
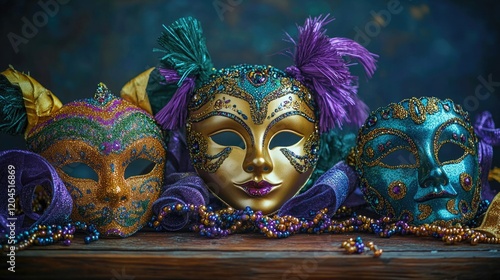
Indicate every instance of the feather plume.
{"type": "Point", "coordinates": [186, 62]}
{"type": "Point", "coordinates": [322, 64]}
{"type": "Point", "coordinates": [13, 117]}
{"type": "Point", "coordinates": [185, 49]}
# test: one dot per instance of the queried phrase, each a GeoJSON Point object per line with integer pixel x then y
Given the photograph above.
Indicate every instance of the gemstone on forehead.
{"type": "Point", "coordinates": [102, 94]}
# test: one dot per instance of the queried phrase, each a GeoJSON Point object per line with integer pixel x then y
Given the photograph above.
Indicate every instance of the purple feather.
{"type": "Point", "coordinates": [322, 64]}
{"type": "Point", "coordinates": [171, 117]}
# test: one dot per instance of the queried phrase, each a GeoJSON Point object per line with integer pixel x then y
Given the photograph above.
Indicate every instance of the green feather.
{"type": "Point", "coordinates": [185, 49]}
{"type": "Point", "coordinates": [13, 118]}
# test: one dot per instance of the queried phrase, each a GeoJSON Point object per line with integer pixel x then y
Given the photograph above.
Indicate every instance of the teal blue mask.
{"type": "Point", "coordinates": [418, 160]}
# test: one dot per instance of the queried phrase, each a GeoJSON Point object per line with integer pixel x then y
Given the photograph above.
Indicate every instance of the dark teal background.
{"type": "Point", "coordinates": [432, 48]}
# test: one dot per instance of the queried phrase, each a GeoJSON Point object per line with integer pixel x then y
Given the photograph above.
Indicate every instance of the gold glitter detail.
{"type": "Point", "coordinates": [351, 157]}
{"type": "Point", "coordinates": [377, 201]}
{"type": "Point", "coordinates": [415, 105]}
{"type": "Point", "coordinates": [463, 177]}
{"type": "Point", "coordinates": [370, 152]}
{"type": "Point", "coordinates": [218, 104]}
{"type": "Point", "coordinates": [258, 109]}
{"type": "Point", "coordinates": [458, 109]}
{"type": "Point", "coordinates": [204, 111]}
{"type": "Point", "coordinates": [389, 210]}
{"type": "Point", "coordinates": [450, 206]}
{"type": "Point", "coordinates": [432, 105]}
{"type": "Point", "coordinates": [446, 224]}
{"type": "Point", "coordinates": [309, 159]}
{"type": "Point", "coordinates": [467, 150]}
{"type": "Point", "coordinates": [408, 214]}
{"type": "Point", "coordinates": [425, 211]}
{"type": "Point", "coordinates": [392, 192]}
{"type": "Point", "coordinates": [363, 139]}
{"type": "Point", "coordinates": [475, 201]}
{"type": "Point", "coordinates": [469, 214]}
{"type": "Point", "coordinates": [200, 158]}
{"type": "Point", "coordinates": [288, 104]}
{"type": "Point", "coordinates": [399, 112]}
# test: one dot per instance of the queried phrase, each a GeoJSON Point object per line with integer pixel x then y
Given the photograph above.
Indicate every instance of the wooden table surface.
{"type": "Point", "coordinates": [184, 255]}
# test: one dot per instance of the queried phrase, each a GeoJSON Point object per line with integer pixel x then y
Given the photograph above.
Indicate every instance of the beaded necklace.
{"type": "Point", "coordinates": [228, 221]}
{"type": "Point", "coordinates": [49, 234]}
{"type": "Point", "coordinates": [224, 222]}
{"type": "Point", "coordinates": [44, 235]}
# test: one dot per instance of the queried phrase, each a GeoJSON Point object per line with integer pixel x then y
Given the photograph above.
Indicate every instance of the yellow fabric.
{"type": "Point", "coordinates": [494, 174]}
{"type": "Point", "coordinates": [39, 101]}
{"type": "Point", "coordinates": [135, 91]}
{"type": "Point", "coordinates": [491, 221]}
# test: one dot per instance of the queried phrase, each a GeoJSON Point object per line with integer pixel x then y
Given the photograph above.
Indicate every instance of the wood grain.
{"type": "Point", "coordinates": [152, 255]}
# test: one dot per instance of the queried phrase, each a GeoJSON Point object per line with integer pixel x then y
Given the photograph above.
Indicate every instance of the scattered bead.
{"type": "Point", "coordinates": [356, 246]}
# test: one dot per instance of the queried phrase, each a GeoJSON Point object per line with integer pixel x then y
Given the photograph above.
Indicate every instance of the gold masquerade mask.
{"type": "Point", "coordinates": [252, 136]}
{"type": "Point", "coordinates": [253, 131]}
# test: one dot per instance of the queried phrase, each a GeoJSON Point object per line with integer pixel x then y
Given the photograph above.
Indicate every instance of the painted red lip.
{"type": "Point", "coordinates": [253, 188]}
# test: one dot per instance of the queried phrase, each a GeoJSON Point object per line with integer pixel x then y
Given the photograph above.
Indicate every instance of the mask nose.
{"type": "Point", "coordinates": [431, 174]}
{"type": "Point", "coordinates": [258, 161]}
{"type": "Point", "coordinates": [115, 190]}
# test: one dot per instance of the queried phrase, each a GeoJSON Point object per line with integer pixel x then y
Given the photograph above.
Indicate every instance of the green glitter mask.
{"type": "Point", "coordinates": [111, 156]}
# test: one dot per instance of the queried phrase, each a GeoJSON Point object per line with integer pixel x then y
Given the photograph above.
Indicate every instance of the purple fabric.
{"type": "Point", "coordinates": [320, 65]}
{"type": "Point", "coordinates": [329, 191]}
{"type": "Point", "coordinates": [178, 160]}
{"type": "Point", "coordinates": [173, 115]}
{"type": "Point", "coordinates": [183, 188]}
{"type": "Point", "coordinates": [31, 170]}
{"type": "Point", "coordinates": [489, 136]}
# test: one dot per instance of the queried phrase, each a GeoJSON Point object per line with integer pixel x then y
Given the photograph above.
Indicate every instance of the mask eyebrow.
{"type": "Point", "coordinates": [283, 116]}
{"type": "Point", "coordinates": [450, 129]}
{"type": "Point", "coordinates": [384, 132]}
{"type": "Point", "coordinates": [229, 116]}
{"type": "Point", "coordinates": [451, 126]}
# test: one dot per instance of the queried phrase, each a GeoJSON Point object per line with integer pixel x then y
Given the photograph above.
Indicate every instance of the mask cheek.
{"type": "Point", "coordinates": [391, 194]}
{"type": "Point", "coordinates": [72, 160]}
{"type": "Point", "coordinates": [142, 192]}
{"type": "Point", "coordinates": [464, 178]}
{"type": "Point", "coordinates": [88, 203]}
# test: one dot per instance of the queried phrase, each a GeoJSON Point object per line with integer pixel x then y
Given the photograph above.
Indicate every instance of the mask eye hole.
{"type": "Point", "coordinates": [138, 167]}
{"type": "Point", "coordinates": [284, 139]}
{"type": "Point", "coordinates": [228, 138]}
{"type": "Point", "coordinates": [450, 152]}
{"type": "Point", "coordinates": [398, 158]}
{"type": "Point", "coordinates": [80, 170]}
